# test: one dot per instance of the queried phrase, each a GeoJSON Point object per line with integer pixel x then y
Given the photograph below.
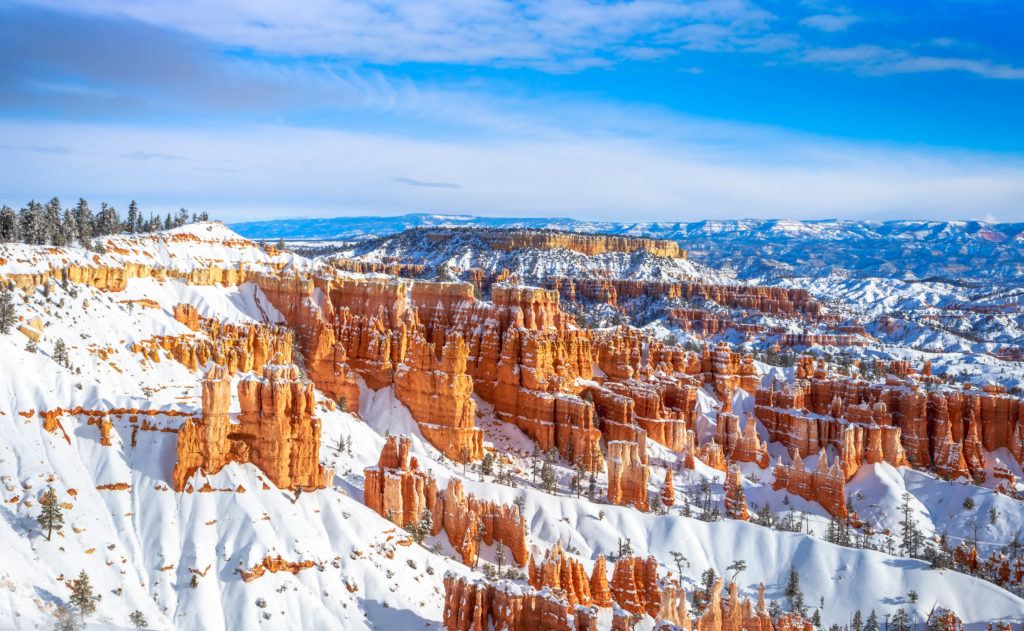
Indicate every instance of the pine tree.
{"type": "Point", "coordinates": [736, 567]}
{"type": "Point", "coordinates": [83, 223]}
{"type": "Point", "coordinates": [7, 314]}
{"type": "Point", "coordinates": [134, 220]}
{"type": "Point", "coordinates": [426, 525]}
{"type": "Point", "coordinates": [51, 516]}
{"type": "Point", "coordinates": [31, 346]}
{"type": "Point", "coordinates": [499, 556]}
{"type": "Point", "coordinates": [900, 621]}
{"type": "Point", "coordinates": [138, 619]}
{"type": "Point", "coordinates": [52, 224]}
{"type": "Point", "coordinates": [856, 624]}
{"type": "Point", "coordinates": [592, 487]}
{"type": "Point", "coordinates": [793, 593]}
{"type": "Point", "coordinates": [8, 225]}
{"type": "Point", "coordinates": [872, 622]}
{"type": "Point", "coordinates": [82, 597]}
{"type": "Point", "coordinates": [60, 353]}
{"type": "Point", "coordinates": [487, 464]}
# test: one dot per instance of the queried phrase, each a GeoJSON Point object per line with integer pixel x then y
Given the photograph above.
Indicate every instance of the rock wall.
{"type": "Point", "coordinates": [628, 474]}
{"type": "Point", "coordinates": [481, 605]}
{"type": "Point", "coordinates": [894, 421]}
{"type": "Point", "coordinates": [276, 430]}
{"type": "Point", "coordinates": [468, 520]}
{"type": "Point", "coordinates": [825, 485]}
{"type": "Point", "coordinates": [396, 488]}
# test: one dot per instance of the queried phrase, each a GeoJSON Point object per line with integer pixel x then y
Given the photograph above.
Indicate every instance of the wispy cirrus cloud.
{"type": "Point", "coordinates": [408, 181]}
{"type": "Point", "coordinates": [830, 22]}
{"type": "Point", "coordinates": [879, 60]}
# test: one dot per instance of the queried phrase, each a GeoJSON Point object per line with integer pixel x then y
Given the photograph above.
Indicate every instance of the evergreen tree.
{"type": "Point", "coordinates": [900, 621]}
{"type": "Point", "coordinates": [499, 556]}
{"type": "Point", "coordinates": [910, 535]}
{"type": "Point", "coordinates": [138, 619]}
{"type": "Point", "coordinates": [793, 592]}
{"type": "Point", "coordinates": [8, 225]}
{"type": "Point", "coordinates": [736, 567]}
{"type": "Point", "coordinates": [82, 597]}
{"type": "Point", "coordinates": [52, 223]}
{"type": "Point", "coordinates": [50, 514]}
{"type": "Point", "coordinates": [60, 353]}
{"type": "Point", "coordinates": [83, 223]}
{"type": "Point", "coordinates": [856, 624]}
{"type": "Point", "coordinates": [7, 314]}
{"type": "Point", "coordinates": [134, 221]}
{"type": "Point", "coordinates": [872, 622]}
{"type": "Point", "coordinates": [487, 464]}
{"type": "Point", "coordinates": [592, 487]}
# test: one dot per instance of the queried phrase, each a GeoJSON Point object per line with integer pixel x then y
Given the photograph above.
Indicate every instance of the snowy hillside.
{"type": "Point", "coordinates": [181, 559]}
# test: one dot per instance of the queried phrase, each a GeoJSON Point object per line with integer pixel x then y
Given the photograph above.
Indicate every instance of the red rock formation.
{"type": "Point", "coordinates": [276, 430]}
{"type": "Point", "coordinates": [274, 564]}
{"type": "Point", "coordinates": [563, 575]}
{"type": "Point", "coordinates": [731, 613]}
{"type": "Point", "coordinates": [437, 387]}
{"type": "Point", "coordinates": [187, 315]}
{"type": "Point", "coordinates": [628, 475]}
{"type": "Point", "coordinates": [600, 592]}
{"type": "Point", "coordinates": [463, 517]}
{"type": "Point", "coordinates": [825, 485]}
{"type": "Point", "coordinates": [735, 499]}
{"type": "Point", "coordinates": [479, 605]}
{"type": "Point", "coordinates": [396, 488]}
{"type": "Point", "coordinates": [668, 492]}
{"type": "Point", "coordinates": [239, 348]}
{"type": "Point", "coordinates": [635, 586]}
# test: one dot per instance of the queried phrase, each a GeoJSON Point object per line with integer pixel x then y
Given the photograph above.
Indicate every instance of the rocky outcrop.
{"type": "Point", "coordinates": [635, 586]}
{"type": "Point", "coordinates": [512, 240]}
{"type": "Point", "coordinates": [894, 421]}
{"type": "Point", "coordinates": [825, 485]}
{"type": "Point", "coordinates": [433, 383]}
{"type": "Point", "coordinates": [187, 314]}
{"type": "Point", "coordinates": [667, 495]}
{"type": "Point", "coordinates": [563, 575]}
{"type": "Point", "coordinates": [237, 347]}
{"type": "Point", "coordinates": [481, 605]}
{"type": "Point", "coordinates": [741, 446]}
{"type": "Point", "coordinates": [735, 498]}
{"type": "Point", "coordinates": [628, 474]}
{"type": "Point", "coordinates": [276, 430]}
{"type": "Point", "coordinates": [396, 488]}
{"type": "Point", "coordinates": [274, 564]}
{"type": "Point", "coordinates": [468, 520]}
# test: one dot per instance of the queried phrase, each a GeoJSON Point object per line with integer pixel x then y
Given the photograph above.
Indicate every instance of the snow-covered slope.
{"type": "Point", "coordinates": [174, 556]}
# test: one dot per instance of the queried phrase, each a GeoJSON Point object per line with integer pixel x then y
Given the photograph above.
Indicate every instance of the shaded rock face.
{"type": "Point", "coordinates": [480, 605]}
{"type": "Point", "coordinates": [237, 347]}
{"type": "Point", "coordinates": [635, 586]}
{"type": "Point", "coordinates": [396, 488]}
{"type": "Point", "coordinates": [825, 485]}
{"type": "Point", "coordinates": [435, 386]}
{"type": "Point", "coordinates": [735, 499]}
{"type": "Point", "coordinates": [628, 474]}
{"type": "Point", "coordinates": [895, 422]}
{"type": "Point", "coordinates": [276, 430]}
{"type": "Point", "coordinates": [468, 521]}
{"type": "Point", "coordinates": [567, 578]}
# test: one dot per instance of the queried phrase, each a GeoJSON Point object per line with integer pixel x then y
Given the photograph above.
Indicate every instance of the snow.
{"type": "Point", "coordinates": [138, 545]}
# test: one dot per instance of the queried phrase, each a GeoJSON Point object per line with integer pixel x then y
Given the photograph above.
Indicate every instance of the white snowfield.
{"type": "Point", "coordinates": [141, 543]}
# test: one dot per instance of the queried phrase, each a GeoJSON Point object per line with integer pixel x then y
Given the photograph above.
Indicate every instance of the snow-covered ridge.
{"type": "Point", "coordinates": [967, 251]}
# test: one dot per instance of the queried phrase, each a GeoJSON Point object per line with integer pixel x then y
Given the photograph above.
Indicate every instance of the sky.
{"type": "Point", "coordinates": [630, 110]}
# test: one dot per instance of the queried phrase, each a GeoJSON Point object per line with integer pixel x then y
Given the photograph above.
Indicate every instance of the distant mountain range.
{"type": "Point", "coordinates": [966, 252]}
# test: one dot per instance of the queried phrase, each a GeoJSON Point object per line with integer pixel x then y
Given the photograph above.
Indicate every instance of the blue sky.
{"type": "Point", "coordinates": [642, 110]}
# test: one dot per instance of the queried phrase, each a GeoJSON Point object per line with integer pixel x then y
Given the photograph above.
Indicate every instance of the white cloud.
{"type": "Point", "coordinates": [878, 60]}
{"type": "Point", "coordinates": [830, 22]}
{"type": "Point", "coordinates": [692, 171]}
{"type": "Point", "coordinates": [545, 34]}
